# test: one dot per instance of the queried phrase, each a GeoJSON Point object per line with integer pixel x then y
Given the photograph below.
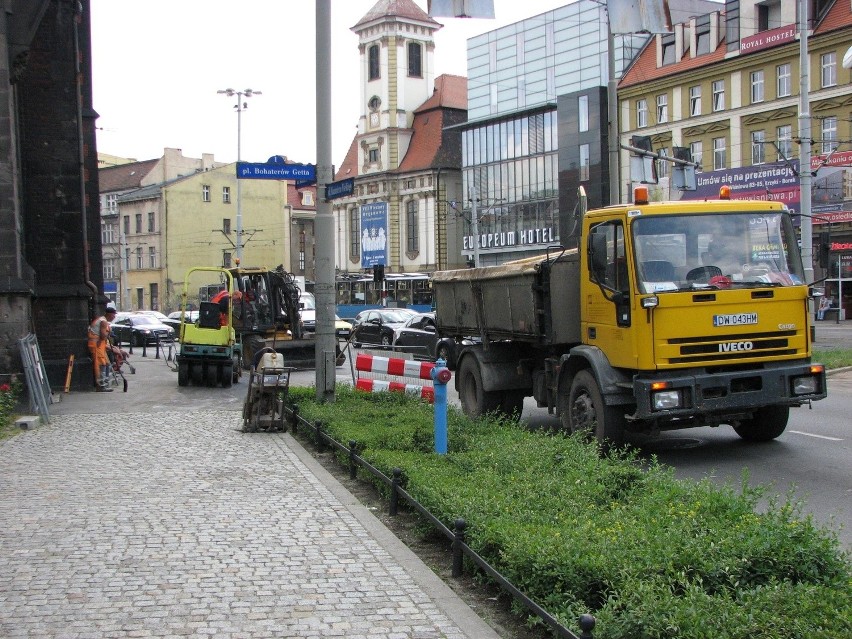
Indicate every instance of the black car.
{"type": "Point", "coordinates": [376, 326]}
{"type": "Point", "coordinates": [138, 329]}
{"type": "Point", "coordinates": [419, 335]}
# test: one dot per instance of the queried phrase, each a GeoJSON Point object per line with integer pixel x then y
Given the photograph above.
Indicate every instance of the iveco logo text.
{"type": "Point", "coordinates": [735, 346]}
{"type": "Point", "coordinates": [735, 320]}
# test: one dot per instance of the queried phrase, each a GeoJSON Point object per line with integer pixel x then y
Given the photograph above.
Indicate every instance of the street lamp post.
{"type": "Point", "coordinates": [239, 106]}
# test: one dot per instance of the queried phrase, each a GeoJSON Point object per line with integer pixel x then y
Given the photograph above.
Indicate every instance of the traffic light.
{"type": "Point", "coordinates": [824, 249]}
{"type": "Point", "coordinates": [379, 273]}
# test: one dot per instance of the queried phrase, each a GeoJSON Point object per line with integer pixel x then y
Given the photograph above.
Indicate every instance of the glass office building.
{"type": "Point", "coordinates": [536, 122]}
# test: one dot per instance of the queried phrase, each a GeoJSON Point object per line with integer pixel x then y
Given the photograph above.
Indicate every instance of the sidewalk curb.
{"type": "Point", "coordinates": [835, 371]}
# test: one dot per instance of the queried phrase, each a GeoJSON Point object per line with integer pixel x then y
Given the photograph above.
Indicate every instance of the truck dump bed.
{"type": "Point", "coordinates": [534, 300]}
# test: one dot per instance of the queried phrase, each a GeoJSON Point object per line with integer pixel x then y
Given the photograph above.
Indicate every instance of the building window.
{"type": "Point", "coordinates": [354, 234]}
{"type": "Point", "coordinates": [756, 86]}
{"type": "Point", "coordinates": [667, 42]}
{"type": "Point", "coordinates": [769, 15]}
{"type": "Point", "coordinates": [139, 262]}
{"type": "Point", "coordinates": [226, 225]}
{"type": "Point", "coordinates": [758, 149]}
{"type": "Point", "coordinates": [583, 109]}
{"type": "Point", "coordinates": [226, 195]}
{"type": "Point", "coordinates": [702, 35]}
{"type": "Point", "coordinates": [302, 250]}
{"type": "Point", "coordinates": [784, 83]}
{"type": "Point", "coordinates": [695, 100]}
{"type": "Point", "coordinates": [697, 151]}
{"type": "Point", "coordinates": [662, 108]}
{"type": "Point", "coordinates": [784, 142]}
{"type": "Point", "coordinates": [829, 134]}
{"type": "Point", "coordinates": [373, 62]}
{"type": "Point", "coordinates": [307, 198]}
{"type": "Point", "coordinates": [205, 192]}
{"type": "Point", "coordinates": [151, 222]}
{"type": "Point", "coordinates": [415, 60]}
{"type": "Point", "coordinates": [138, 222]}
{"type": "Point", "coordinates": [226, 259]}
{"type": "Point", "coordinates": [107, 234]}
{"type": "Point", "coordinates": [112, 203]}
{"type": "Point", "coordinates": [718, 95]}
{"type": "Point", "coordinates": [584, 163]}
{"type": "Point", "coordinates": [126, 225]}
{"type": "Point", "coordinates": [109, 269]}
{"type": "Point", "coordinates": [641, 113]}
{"type": "Point", "coordinates": [719, 154]}
{"type": "Point", "coordinates": [828, 61]}
{"type": "Point", "coordinates": [152, 257]}
{"type": "Point", "coordinates": [663, 164]}
{"type": "Point", "coordinates": [373, 156]}
{"type": "Point", "coordinates": [412, 227]}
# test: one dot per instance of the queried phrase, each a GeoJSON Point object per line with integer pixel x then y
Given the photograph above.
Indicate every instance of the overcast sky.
{"type": "Point", "coordinates": [158, 64]}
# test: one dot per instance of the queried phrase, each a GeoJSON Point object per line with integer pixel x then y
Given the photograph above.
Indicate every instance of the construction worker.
{"type": "Point", "coordinates": [99, 331]}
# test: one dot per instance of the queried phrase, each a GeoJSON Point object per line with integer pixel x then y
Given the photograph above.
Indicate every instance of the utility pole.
{"type": "Point", "coordinates": [240, 105]}
{"type": "Point", "coordinates": [326, 340]}
{"type": "Point", "coordinates": [474, 225]}
{"type": "Point", "coordinates": [805, 175]}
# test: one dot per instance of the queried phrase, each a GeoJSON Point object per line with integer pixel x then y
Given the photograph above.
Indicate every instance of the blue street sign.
{"type": "Point", "coordinates": [275, 171]}
{"type": "Point", "coordinates": [339, 189]}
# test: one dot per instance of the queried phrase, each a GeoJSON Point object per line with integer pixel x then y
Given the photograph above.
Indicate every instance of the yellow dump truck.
{"type": "Point", "coordinates": [667, 315]}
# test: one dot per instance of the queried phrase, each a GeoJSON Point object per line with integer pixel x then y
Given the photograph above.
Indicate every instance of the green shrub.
{"type": "Point", "coordinates": [648, 554]}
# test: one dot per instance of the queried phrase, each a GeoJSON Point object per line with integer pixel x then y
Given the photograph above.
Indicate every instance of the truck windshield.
{"type": "Point", "coordinates": [715, 251]}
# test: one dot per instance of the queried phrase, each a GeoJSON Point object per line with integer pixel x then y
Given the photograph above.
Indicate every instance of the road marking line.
{"type": "Point", "coordinates": [834, 439]}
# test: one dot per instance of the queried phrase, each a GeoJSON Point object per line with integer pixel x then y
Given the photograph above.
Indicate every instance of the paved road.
{"type": "Point", "coordinates": [149, 514]}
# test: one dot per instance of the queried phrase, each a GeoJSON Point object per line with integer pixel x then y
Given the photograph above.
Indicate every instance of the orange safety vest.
{"type": "Point", "coordinates": [95, 329]}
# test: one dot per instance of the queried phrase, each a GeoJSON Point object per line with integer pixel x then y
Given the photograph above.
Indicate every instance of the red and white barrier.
{"type": "Point", "coordinates": [394, 366]}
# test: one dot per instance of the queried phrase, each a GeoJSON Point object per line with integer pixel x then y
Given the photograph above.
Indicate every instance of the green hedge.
{"type": "Point", "coordinates": [649, 555]}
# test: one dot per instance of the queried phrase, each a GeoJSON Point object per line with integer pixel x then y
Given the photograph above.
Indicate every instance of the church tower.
{"type": "Point", "coordinates": [397, 48]}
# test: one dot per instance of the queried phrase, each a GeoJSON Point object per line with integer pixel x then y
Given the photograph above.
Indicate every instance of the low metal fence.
{"type": "Point", "coordinates": [456, 536]}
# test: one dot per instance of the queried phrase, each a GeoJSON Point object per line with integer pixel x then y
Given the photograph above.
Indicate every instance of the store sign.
{"type": "Point", "coordinates": [545, 235]}
{"type": "Point", "coordinates": [767, 39]}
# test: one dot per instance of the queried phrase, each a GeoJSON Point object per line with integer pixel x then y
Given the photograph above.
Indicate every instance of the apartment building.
{"type": "Point", "coordinates": [726, 86]}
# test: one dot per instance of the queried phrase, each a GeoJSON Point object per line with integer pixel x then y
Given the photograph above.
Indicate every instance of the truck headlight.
{"type": "Point", "coordinates": [806, 385]}
{"type": "Point", "coordinates": [667, 399]}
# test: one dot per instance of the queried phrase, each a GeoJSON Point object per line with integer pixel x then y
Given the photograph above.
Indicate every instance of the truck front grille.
{"type": "Point", "coordinates": [695, 350]}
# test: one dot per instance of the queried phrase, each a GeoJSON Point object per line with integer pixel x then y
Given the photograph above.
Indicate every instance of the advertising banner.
{"type": "Point", "coordinates": [374, 234]}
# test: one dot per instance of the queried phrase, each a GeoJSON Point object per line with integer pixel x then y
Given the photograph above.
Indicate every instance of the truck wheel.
{"type": "Point", "coordinates": [183, 374]}
{"type": "Point", "coordinates": [236, 369]}
{"type": "Point", "coordinates": [475, 401]}
{"type": "Point", "coordinates": [227, 375]}
{"type": "Point", "coordinates": [512, 404]}
{"type": "Point", "coordinates": [443, 351]}
{"type": "Point", "coordinates": [766, 424]}
{"type": "Point", "coordinates": [586, 412]}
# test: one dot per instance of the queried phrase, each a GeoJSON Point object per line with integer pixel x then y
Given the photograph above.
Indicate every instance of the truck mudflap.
{"type": "Point", "coordinates": [712, 394]}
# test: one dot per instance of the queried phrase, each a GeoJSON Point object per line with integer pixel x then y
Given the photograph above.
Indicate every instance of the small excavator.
{"type": "Point", "coordinates": [265, 307]}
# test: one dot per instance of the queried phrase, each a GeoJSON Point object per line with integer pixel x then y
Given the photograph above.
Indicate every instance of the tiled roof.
{"type": "Point", "coordinates": [349, 166]}
{"type": "Point", "coordinates": [838, 17]}
{"type": "Point", "coordinates": [450, 93]}
{"type": "Point", "coordinates": [294, 196]}
{"type": "Point", "coordinates": [644, 68]}
{"type": "Point", "coordinates": [396, 8]}
{"type": "Point", "coordinates": [124, 176]}
{"type": "Point", "coordinates": [430, 145]}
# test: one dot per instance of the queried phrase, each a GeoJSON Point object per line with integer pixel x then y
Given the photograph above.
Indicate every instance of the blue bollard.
{"type": "Point", "coordinates": [440, 376]}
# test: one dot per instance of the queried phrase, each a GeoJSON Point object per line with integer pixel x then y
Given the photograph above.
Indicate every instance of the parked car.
{"type": "Point", "coordinates": [308, 312]}
{"type": "Point", "coordinates": [173, 320]}
{"type": "Point", "coordinates": [141, 328]}
{"type": "Point", "coordinates": [376, 326]}
{"type": "Point", "coordinates": [419, 335]}
{"type": "Point", "coordinates": [342, 328]}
